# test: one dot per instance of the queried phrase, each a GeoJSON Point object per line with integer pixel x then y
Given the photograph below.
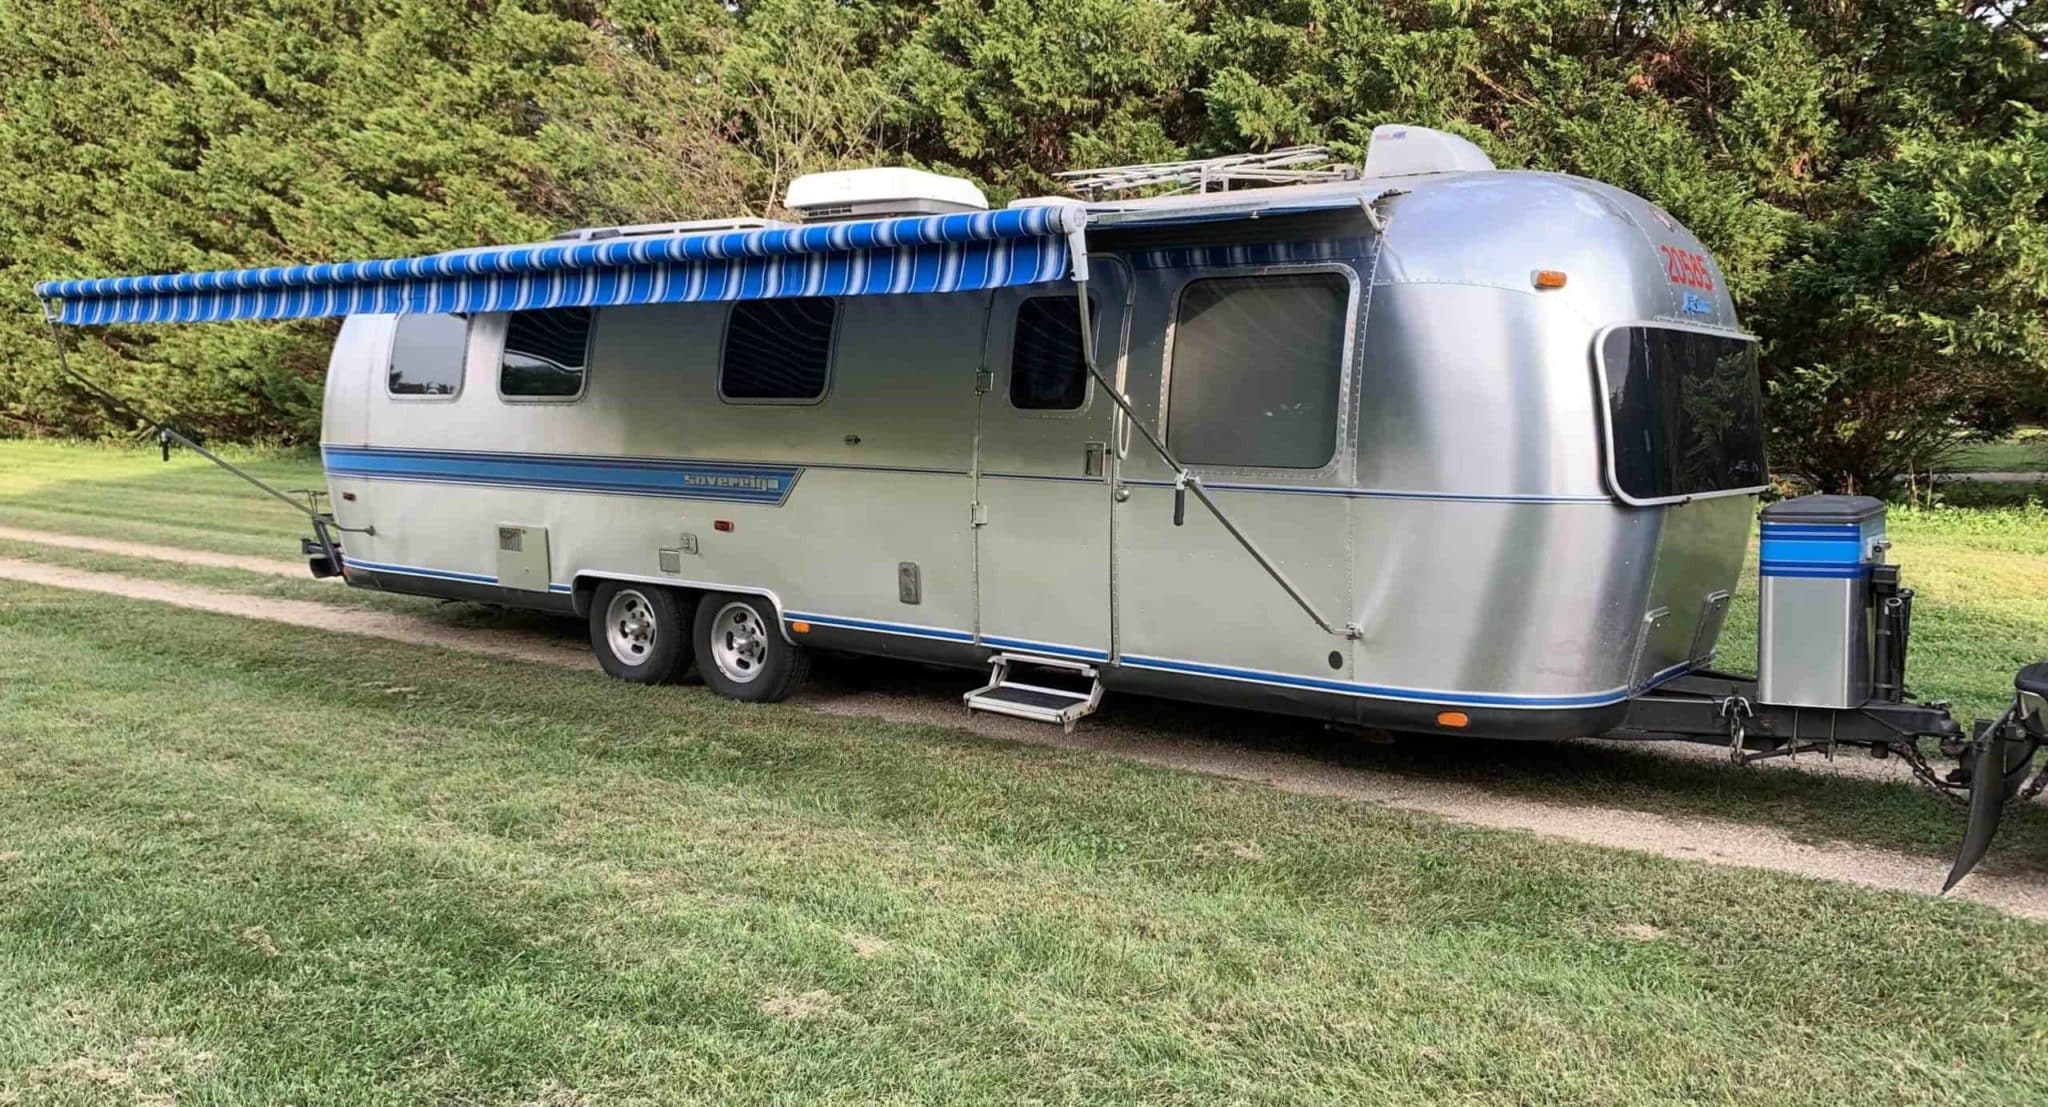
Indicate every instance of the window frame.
{"type": "Point", "coordinates": [1010, 362]}
{"type": "Point", "coordinates": [1343, 448]}
{"type": "Point", "coordinates": [1601, 401]}
{"type": "Point", "coordinates": [504, 335]}
{"type": "Point", "coordinates": [462, 363]}
{"type": "Point", "coordinates": [831, 356]}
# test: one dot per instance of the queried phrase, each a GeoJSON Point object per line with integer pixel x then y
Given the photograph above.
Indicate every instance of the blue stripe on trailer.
{"type": "Point", "coordinates": [434, 574]}
{"type": "Point", "coordinates": [1410, 695]}
{"type": "Point", "coordinates": [722, 481]}
{"type": "Point", "coordinates": [1255, 676]}
{"type": "Point", "coordinates": [910, 630]}
{"type": "Point", "coordinates": [963, 252]}
{"type": "Point", "coordinates": [1055, 649]}
{"type": "Point", "coordinates": [418, 571]}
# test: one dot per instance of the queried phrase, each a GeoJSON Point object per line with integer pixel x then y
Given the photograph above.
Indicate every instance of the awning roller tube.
{"type": "Point", "coordinates": [968, 251]}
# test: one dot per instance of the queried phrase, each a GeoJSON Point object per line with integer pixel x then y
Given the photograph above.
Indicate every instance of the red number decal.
{"type": "Point", "coordinates": [1687, 268]}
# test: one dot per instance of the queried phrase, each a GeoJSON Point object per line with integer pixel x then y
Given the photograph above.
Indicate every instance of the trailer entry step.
{"type": "Point", "coordinates": [1032, 696]}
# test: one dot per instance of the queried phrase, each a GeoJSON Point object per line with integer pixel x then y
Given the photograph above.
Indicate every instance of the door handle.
{"type": "Point", "coordinates": [1092, 461]}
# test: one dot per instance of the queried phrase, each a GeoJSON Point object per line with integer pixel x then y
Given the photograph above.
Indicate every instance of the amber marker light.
{"type": "Point", "coordinates": [799, 627]}
{"type": "Point", "coordinates": [1547, 280]}
{"type": "Point", "coordinates": [1452, 718]}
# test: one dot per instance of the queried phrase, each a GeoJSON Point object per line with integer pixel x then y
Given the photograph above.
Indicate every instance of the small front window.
{"type": "Point", "coordinates": [546, 354]}
{"type": "Point", "coordinates": [1685, 412]}
{"type": "Point", "coordinates": [777, 351]}
{"type": "Point", "coordinates": [1048, 370]}
{"type": "Point", "coordinates": [426, 355]}
{"type": "Point", "coordinates": [1258, 366]}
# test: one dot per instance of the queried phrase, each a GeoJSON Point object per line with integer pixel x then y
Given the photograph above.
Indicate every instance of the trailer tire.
{"type": "Point", "coordinates": [742, 652]}
{"type": "Point", "coordinates": [643, 632]}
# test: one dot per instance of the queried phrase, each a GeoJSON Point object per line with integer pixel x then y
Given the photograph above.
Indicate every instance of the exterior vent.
{"type": "Point", "coordinates": [871, 193]}
{"type": "Point", "coordinates": [1403, 151]}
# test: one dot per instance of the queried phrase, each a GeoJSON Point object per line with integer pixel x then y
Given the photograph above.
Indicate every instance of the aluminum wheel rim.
{"type": "Point", "coordinates": [739, 642]}
{"type": "Point", "coordinates": [630, 628]}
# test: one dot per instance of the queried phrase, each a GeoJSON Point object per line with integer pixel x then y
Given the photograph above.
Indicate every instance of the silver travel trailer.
{"type": "Point", "coordinates": [1475, 452]}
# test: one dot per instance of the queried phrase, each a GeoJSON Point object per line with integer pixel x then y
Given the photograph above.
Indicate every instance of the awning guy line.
{"type": "Point", "coordinates": [1184, 479]}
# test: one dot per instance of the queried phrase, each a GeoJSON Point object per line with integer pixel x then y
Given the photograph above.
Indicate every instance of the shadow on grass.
{"type": "Point", "coordinates": [1812, 805]}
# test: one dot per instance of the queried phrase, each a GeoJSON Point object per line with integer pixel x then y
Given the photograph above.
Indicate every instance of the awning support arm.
{"type": "Point", "coordinates": [167, 434]}
{"type": "Point", "coordinates": [1185, 480]}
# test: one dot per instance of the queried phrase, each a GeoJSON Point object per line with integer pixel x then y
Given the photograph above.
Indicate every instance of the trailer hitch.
{"type": "Point", "coordinates": [1723, 709]}
{"type": "Point", "coordinates": [1995, 764]}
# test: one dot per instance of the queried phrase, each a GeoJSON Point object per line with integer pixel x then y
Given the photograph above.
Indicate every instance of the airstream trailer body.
{"type": "Point", "coordinates": [1412, 428]}
{"type": "Point", "coordinates": [1473, 451]}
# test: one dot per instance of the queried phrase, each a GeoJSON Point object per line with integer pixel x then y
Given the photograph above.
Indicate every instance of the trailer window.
{"type": "Point", "coordinates": [1257, 365]}
{"type": "Point", "coordinates": [1685, 413]}
{"type": "Point", "coordinates": [777, 351]}
{"type": "Point", "coordinates": [1047, 370]}
{"type": "Point", "coordinates": [545, 355]}
{"type": "Point", "coordinates": [426, 355]}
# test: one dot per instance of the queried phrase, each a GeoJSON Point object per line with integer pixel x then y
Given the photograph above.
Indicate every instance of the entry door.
{"type": "Point", "coordinates": [1042, 534]}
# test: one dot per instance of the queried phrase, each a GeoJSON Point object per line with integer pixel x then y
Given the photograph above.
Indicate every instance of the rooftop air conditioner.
{"type": "Point", "coordinates": [869, 193]}
{"type": "Point", "coordinates": [1399, 150]}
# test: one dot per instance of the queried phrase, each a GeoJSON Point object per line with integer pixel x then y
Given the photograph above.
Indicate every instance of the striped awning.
{"type": "Point", "coordinates": [941, 253]}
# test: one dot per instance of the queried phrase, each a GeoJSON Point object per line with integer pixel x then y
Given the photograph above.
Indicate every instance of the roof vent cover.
{"type": "Point", "coordinates": [869, 193]}
{"type": "Point", "coordinates": [1398, 150]}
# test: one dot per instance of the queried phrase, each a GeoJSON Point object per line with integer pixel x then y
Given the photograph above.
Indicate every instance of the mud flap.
{"type": "Point", "coordinates": [1998, 762]}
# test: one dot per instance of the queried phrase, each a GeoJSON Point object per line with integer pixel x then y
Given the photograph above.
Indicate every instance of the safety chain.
{"type": "Point", "coordinates": [2035, 786]}
{"type": "Point", "coordinates": [1736, 710]}
{"type": "Point", "coordinates": [1909, 751]}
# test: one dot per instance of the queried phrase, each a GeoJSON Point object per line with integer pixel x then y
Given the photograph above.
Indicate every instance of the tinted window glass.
{"type": "Point", "coordinates": [1047, 370]}
{"type": "Point", "coordinates": [777, 349]}
{"type": "Point", "coordinates": [545, 352]}
{"type": "Point", "coordinates": [1686, 412]}
{"type": "Point", "coordinates": [1257, 363]}
{"type": "Point", "coordinates": [426, 355]}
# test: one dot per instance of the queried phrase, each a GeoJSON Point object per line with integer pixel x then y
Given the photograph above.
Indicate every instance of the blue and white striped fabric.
{"type": "Point", "coordinates": [941, 253]}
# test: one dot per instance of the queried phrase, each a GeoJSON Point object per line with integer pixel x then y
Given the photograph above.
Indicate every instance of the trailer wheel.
{"type": "Point", "coordinates": [742, 651]}
{"type": "Point", "coordinates": [642, 633]}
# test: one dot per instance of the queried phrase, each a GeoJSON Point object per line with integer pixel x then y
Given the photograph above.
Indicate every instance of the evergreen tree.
{"type": "Point", "coordinates": [1872, 174]}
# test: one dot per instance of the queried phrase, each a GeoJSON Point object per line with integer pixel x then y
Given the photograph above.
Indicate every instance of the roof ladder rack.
{"type": "Point", "coordinates": [1290, 165]}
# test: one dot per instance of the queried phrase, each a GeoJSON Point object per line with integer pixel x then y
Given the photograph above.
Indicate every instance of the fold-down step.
{"type": "Point", "coordinates": [1043, 689]}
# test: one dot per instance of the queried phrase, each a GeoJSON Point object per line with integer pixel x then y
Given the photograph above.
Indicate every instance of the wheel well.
{"type": "Point", "coordinates": [584, 586]}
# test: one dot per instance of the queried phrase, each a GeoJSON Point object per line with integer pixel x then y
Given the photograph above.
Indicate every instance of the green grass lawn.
{"type": "Point", "coordinates": [242, 863]}
{"type": "Point", "coordinates": [2025, 452]}
{"type": "Point", "coordinates": [1983, 612]}
{"type": "Point", "coordinates": [130, 494]}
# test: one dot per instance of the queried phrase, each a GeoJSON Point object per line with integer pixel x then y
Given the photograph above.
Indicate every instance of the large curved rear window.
{"type": "Point", "coordinates": [1685, 410]}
